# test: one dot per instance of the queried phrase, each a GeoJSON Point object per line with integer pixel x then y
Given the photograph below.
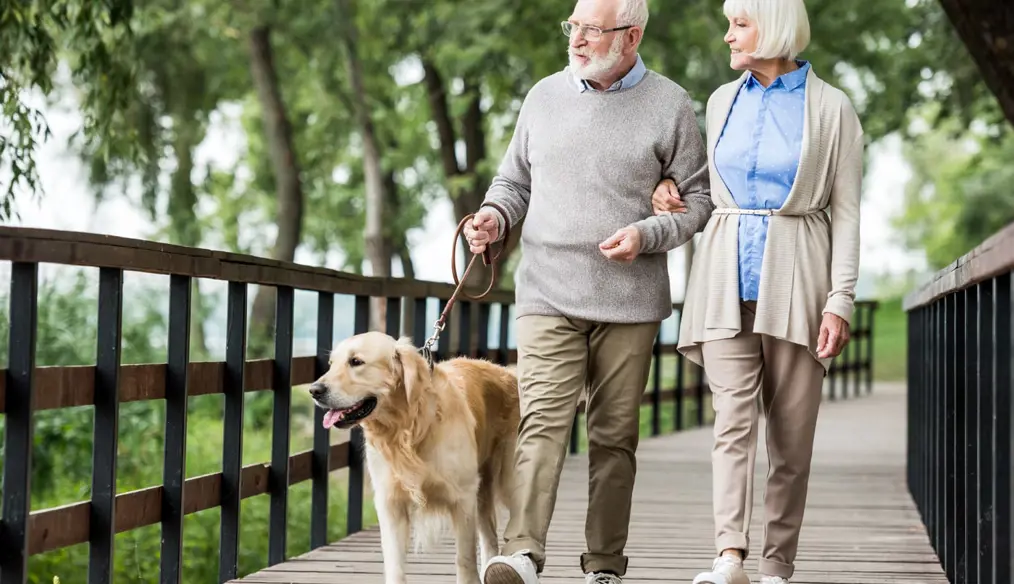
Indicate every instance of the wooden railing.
{"type": "Point", "coordinates": [26, 388]}
{"type": "Point", "coordinates": [959, 411]}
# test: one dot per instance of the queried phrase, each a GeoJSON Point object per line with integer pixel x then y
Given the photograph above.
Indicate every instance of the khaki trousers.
{"type": "Point", "coordinates": [558, 358]}
{"type": "Point", "coordinates": [788, 381]}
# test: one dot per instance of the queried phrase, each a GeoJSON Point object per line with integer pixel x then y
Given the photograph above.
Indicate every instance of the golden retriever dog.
{"type": "Point", "coordinates": [439, 444]}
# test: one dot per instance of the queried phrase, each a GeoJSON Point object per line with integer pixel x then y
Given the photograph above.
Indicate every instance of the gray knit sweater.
{"type": "Point", "coordinates": [579, 167]}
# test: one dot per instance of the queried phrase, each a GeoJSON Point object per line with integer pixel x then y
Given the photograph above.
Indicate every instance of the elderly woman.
{"type": "Point", "coordinates": [771, 291]}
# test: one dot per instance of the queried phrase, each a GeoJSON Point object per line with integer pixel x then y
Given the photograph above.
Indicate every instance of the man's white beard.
{"type": "Point", "coordinates": [597, 66]}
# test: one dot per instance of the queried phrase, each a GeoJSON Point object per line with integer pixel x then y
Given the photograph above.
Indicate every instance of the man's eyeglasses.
{"type": "Point", "coordinates": [592, 33]}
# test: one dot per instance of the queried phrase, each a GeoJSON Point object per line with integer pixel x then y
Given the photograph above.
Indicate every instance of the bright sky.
{"type": "Point", "coordinates": [68, 204]}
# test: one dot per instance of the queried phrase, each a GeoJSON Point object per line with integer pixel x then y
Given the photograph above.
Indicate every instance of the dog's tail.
{"type": "Point", "coordinates": [428, 529]}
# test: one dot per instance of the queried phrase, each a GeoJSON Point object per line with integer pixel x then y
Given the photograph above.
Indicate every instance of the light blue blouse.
{"type": "Point", "coordinates": [757, 156]}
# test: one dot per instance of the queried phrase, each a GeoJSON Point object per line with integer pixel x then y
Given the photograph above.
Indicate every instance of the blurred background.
{"type": "Point", "coordinates": [354, 134]}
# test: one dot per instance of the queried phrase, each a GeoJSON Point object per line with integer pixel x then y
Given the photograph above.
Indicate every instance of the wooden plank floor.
{"type": "Point", "coordinates": [860, 527]}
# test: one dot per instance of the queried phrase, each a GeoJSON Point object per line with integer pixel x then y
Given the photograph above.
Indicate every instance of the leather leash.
{"type": "Point", "coordinates": [487, 259]}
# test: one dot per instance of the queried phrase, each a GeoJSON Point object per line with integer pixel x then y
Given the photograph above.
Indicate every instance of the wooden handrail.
{"type": "Point", "coordinates": [991, 258]}
{"type": "Point", "coordinates": [76, 248]}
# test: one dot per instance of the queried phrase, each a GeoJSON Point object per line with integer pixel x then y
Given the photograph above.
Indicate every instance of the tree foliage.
{"type": "Point", "coordinates": [33, 38]}
{"type": "Point", "coordinates": [960, 191]}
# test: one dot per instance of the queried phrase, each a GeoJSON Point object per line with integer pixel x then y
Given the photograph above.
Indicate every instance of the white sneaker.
{"type": "Point", "coordinates": [724, 570]}
{"type": "Point", "coordinates": [773, 580]}
{"type": "Point", "coordinates": [602, 578]}
{"type": "Point", "coordinates": [514, 569]}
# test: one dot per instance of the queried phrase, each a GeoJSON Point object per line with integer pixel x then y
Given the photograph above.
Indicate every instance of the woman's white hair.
{"type": "Point", "coordinates": [633, 13]}
{"type": "Point", "coordinates": [783, 28]}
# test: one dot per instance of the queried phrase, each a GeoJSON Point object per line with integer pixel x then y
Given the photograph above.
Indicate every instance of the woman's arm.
{"type": "Point", "coordinates": [844, 202]}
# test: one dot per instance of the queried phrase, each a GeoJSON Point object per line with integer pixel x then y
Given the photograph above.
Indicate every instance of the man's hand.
{"type": "Point", "coordinates": [622, 246]}
{"type": "Point", "coordinates": [481, 230]}
{"type": "Point", "coordinates": [834, 335]}
{"type": "Point", "coordinates": [666, 199]}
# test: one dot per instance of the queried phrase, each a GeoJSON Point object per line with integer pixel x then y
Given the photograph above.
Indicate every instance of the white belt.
{"type": "Point", "coordinates": [738, 211]}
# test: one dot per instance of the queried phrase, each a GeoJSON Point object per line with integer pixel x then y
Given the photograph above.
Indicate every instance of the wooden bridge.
{"type": "Point", "coordinates": [861, 526]}
{"type": "Point", "coordinates": [890, 500]}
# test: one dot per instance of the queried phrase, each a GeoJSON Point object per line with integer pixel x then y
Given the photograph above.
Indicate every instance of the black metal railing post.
{"type": "Point", "coordinates": [656, 386]}
{"type": "Point", "coordinates": [354, 511]}
{"type": "Point", "coordinates": [101, 523]}
{"type": "Point", "coordinates": [1003, 384]}
{"type": "Point", "coordinates": [17, 468]}
{"type": "Point", "coordinates": [679, 392]}
{"type": "Point", "coordinates": [870, 320]}
{"type": "Point", "coordinates": [234, 388]}
{"type": "Point", "coordinates": [984, 435]}
{"type": "Point", "coordinates": [464, 328]}
{"type": "Point", "coordinates": [482, 342]}
{"type": "Point", "coordinates": [969, 547]}
{"type": "Point", "coordinates": [575, 434]}
{"type": "Point", "coordinates": [444, 342]}
{"type": "Point", "coordinates": [278, 482]}
{"type": "Point", "coordinates": [700, 402]}
{"type": "Point", "coordinates": [321, 435]}
{"type": "Point", "coordinates": [505, 329]}
{"type": "Point", "coordinates": [175, 462]}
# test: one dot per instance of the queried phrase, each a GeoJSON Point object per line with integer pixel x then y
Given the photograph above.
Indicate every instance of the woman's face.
{"type": "Point", "coordinates": [742, 40]}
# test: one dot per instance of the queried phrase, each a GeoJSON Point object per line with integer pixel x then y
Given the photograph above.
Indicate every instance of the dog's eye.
{"type": "Point", "coordinates": [355, 361]}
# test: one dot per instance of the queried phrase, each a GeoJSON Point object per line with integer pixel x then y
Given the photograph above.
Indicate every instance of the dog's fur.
{"type": "Point", "coordinates": [439, 445]}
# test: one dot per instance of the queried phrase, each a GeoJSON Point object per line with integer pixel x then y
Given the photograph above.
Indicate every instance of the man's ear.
{"type": "Point", "coordinates": [413, 367]}
{"type": "Point", "coordinates": [634, 36]}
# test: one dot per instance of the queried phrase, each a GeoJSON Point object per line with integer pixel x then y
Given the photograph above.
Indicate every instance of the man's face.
{"type": "Point", "coordinates": [595, 58]}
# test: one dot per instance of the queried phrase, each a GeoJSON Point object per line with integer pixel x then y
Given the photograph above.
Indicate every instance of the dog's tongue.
{"type": "Point", "coordinates": [331, 418]}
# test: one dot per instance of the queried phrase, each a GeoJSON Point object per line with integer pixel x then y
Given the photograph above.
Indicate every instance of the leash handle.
{"type": "Point", "coordinates": [487, 259]}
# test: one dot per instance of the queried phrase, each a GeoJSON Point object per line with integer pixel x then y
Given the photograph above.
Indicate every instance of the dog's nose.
{"type": "Point", "coordinates": [317, 389]}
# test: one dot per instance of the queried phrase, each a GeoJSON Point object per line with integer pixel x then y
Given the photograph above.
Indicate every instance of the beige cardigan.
{"type": "Point", "coordinates": [802, 274]}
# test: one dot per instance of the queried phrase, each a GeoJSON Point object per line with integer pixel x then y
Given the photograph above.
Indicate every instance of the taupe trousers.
{"type": "Point", "coordinates": [557, 359]}
{"type": "Point", "coordinates": [788, 381]}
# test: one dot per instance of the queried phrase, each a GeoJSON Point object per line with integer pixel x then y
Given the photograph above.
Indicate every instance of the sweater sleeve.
{"type": "Point", "coordinates": [844, 202]}
{"type": "Point", "coordinates": [511, 188]}
{"type": "Point", "coordinates": [687, 166]}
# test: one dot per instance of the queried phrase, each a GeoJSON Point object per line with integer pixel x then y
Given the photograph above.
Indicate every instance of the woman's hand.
{"type": "Point", "coordinates": [834, 335]}
{"type": "Point", "coordinates": [666, 199]}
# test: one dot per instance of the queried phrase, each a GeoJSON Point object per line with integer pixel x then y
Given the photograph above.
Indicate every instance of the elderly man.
{"type": "Point", "coordinates": [590, 145]}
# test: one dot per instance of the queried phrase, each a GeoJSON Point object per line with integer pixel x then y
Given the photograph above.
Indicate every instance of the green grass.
{"type": "Point", "coordinates": [890, 342]}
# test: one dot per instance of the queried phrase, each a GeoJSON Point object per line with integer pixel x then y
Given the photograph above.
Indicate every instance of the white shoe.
{"type": "Point", "coordinates": [602, 578]}
{"type": "Point", "coordinates": [724, 570]}
{"type": "Point", "coordinates": [514, 569]}
{"type": "Point", "coordinates": [773, 580]}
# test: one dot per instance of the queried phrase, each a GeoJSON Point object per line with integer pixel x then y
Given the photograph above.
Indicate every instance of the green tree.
{"type": "Point", "coordinates": [959, 194]}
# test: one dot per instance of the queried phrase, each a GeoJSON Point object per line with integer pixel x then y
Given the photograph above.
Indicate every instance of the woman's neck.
{"type": "Point", "coordinates": [767, 71]}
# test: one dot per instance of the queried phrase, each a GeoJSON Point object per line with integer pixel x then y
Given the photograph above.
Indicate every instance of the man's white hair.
{"type": "Point", "coordinates": [633, 13]}
{"type": "Point", "coordinates": [783, 28]}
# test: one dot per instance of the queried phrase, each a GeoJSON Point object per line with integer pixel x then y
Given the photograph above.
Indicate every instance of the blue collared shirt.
{"type": "Point", "coordinates": [631, 79]}
{"type": "Point", "coordinates": [757, 156]}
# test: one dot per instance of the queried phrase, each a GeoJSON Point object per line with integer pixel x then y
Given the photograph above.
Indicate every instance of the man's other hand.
{"type": "Point", "coordinates": [622, 246]}
{"type": "Point", "coordinates": [481, 230]}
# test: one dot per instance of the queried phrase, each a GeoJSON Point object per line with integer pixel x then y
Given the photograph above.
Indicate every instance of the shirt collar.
{"type": "Point", "coordinates": [790, 80]}
{"type": "Point", "coordinates": [632, 78]}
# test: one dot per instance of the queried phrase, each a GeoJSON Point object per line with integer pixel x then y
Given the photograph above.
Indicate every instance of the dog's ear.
{"type": "Point", "coordinates": [413, 366]}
